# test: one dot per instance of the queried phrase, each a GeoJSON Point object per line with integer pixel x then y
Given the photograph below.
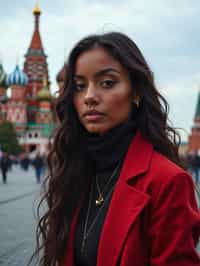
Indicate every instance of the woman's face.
{"type": "Point", "coordinates": [103, 95]}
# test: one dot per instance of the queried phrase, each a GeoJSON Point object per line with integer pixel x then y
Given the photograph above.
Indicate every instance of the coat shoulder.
{"type": "Point", "coordinates": [164, 172]}
{"type": "Point", "coordinates": [162, 165]}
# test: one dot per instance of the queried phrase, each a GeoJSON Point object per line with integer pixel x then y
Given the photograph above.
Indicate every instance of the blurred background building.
{"type": "Point", "coordinates": [30, 103]}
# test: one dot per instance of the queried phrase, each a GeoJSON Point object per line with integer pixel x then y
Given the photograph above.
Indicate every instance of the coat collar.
{"type": "Point", "coordinates": [137, 159]}
{"type": "Point", "coordinates": [126, 204]}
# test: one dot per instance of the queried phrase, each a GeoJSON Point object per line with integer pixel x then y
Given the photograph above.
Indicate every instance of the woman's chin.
{"type": "Point", "coordinates": [96, 130]}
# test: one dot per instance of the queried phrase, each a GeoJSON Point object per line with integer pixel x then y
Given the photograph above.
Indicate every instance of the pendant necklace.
{"type": "Point", "coordinates": [99, 202]}
{"type": "Point", "coordinates": [85, 231]}
{"type": "Point", "coordinates": [100, 198]}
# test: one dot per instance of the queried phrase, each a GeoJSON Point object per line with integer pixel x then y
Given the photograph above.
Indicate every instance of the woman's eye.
{"type": "Point", "coordinates": [79, 86]}
{"type": "Point", "coordinates": [108, 83]}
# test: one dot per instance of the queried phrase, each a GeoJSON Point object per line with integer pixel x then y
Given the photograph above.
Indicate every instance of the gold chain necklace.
{"type": "Point", "coordinates": [100, 198]}
{"type": "Point", "coordinates": [85, 231]}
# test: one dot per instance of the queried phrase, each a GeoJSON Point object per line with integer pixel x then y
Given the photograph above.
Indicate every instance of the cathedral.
{"type": "Point", "coordinates": [30, 104]}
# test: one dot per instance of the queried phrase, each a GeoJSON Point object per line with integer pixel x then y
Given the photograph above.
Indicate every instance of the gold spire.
{"type": "Point", "coordinates": [37, 10]}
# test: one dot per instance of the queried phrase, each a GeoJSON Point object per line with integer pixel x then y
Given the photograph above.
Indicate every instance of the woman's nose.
{"type": "Point", "coordinates": [91, 96]}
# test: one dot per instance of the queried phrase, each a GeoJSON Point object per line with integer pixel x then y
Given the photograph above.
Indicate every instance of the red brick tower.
{"type": "Point", "coordinates": [194, 138]}
{"type": "Point", "coordinates": [44, 114]}
{"type": "Point", "coordinates": [35, 66]}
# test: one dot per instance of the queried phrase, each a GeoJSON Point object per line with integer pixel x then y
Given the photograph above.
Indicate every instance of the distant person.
{"type": "Point", "coordinates": [38, 164]}
{"type": "Point", "coordinates": [4, 164]}
{"type": "Point", "coordinates": [25, 162]}
{"type": "Point", "coordinates": [10, 162]}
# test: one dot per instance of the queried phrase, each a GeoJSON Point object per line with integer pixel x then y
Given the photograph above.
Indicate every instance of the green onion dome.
{"type": "Point", "coordinates": [2, 77]}
{"type": "Point", "coordinates": [44, 94]}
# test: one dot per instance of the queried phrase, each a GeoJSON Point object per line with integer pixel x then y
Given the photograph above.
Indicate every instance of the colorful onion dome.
{"type": "Point", "coordinates": [17, 77]}
{"type": "Point", "coordinates": [61, 74]}
{"type": "Point", "coordinates": [36, 10]}
{"type": "Point", "coordinates": [44, 94]}
{"type": "Point", "coordinates": [2, 77]}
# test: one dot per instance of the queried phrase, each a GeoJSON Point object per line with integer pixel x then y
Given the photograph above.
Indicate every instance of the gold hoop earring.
{"type": "Point", "coordinates": [137, 102]}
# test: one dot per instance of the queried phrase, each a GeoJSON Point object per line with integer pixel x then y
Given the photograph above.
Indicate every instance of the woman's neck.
{"type": "Point", "coordinates": [106, 150]}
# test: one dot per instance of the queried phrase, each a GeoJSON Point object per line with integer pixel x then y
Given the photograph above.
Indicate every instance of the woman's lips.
{"type": "Point", "coordinates": [93, 117]}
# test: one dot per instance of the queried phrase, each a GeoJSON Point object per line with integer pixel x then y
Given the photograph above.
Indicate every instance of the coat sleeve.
{"type": "Point", "coordinates": [174, 227]}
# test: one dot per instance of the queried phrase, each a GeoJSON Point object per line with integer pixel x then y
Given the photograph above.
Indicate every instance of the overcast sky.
{"type": "Point", "coordinates": [167, 32]}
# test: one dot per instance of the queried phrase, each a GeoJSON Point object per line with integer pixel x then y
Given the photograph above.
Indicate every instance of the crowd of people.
{"type": "Point", "coordinates": [191, 161]}
{"type": "Point", "coordinates": [25, 161]}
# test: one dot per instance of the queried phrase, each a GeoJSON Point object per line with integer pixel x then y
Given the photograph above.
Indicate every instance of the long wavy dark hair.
{"type": "Point", "coordinates": [68, 168]}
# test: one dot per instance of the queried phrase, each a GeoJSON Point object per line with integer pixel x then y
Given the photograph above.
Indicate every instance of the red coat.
{"type": "Point", "coordinates": [152, 219]}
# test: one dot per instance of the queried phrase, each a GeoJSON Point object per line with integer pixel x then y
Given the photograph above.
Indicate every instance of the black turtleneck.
{"type": "Point", "coordinates": [106, 153]}
{"type": "Point", "coordinates": [106, 150]}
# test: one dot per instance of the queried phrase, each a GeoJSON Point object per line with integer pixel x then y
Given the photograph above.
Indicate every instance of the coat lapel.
{"type": "Point", "coordinates": [126, 203]}
{"type": "Point", "coordinates": [68, 259]}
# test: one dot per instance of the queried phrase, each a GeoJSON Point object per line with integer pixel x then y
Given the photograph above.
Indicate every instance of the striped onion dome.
{"type": "Point", "coordinates": [2, 77]}
{"type": "Point", "coordinates": [17, 77]}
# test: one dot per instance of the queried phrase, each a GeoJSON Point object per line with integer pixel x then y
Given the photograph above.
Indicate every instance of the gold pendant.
{"type": "Point", "coordinates": [99, 201]}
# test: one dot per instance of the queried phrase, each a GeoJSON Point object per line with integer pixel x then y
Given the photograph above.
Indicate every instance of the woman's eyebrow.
{"type": "Point", "coordinates": [78, 77]}
{"type": "Point", "coordinates": [105, 71]}
{"type": "Point", "coordinates": [99, 73]}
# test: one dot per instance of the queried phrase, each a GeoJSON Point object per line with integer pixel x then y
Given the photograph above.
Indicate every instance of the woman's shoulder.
{"type": "Point", "coordinates": [153, 169]}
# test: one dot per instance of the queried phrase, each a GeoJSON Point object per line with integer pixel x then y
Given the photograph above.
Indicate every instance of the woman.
{"type": "Point", "coordinates": [116, 195]}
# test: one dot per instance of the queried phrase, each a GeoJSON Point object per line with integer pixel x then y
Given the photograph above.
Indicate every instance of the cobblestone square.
{"type": "Point", "coordinates": [18, 200]}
